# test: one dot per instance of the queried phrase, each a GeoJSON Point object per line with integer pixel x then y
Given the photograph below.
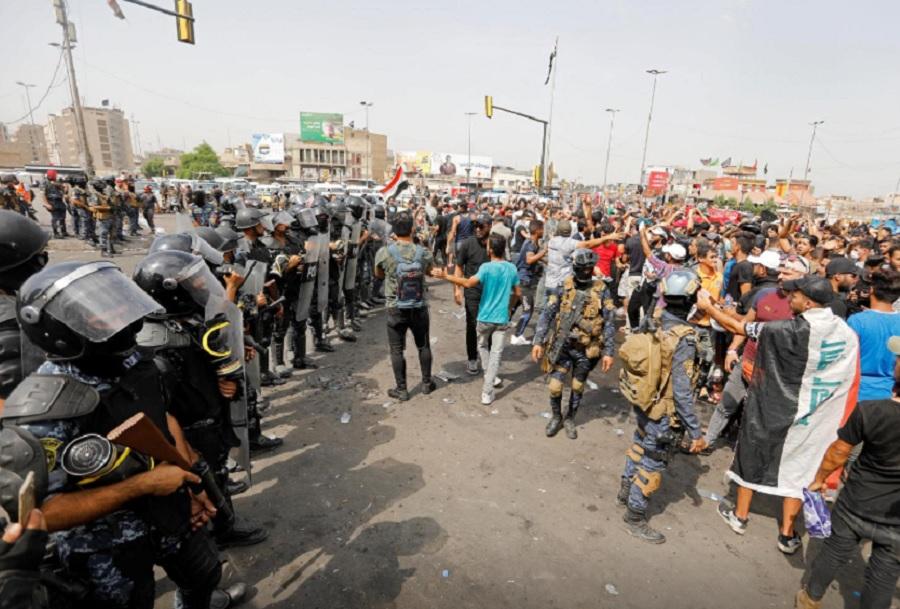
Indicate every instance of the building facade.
{"type": "Point", "coordinates": [366, 155]}
{"type": "Point", "coordinates": [108, 139]}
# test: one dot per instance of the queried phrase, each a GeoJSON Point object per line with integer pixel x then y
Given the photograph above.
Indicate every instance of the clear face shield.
{"type": "Point", "coordinates": [96, 301]}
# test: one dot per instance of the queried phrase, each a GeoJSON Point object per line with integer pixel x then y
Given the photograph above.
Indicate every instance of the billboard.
{"type": "Point", "coordinates": [451, 164]}
{"type": "Point", "coordinates": [415, 161]}
{"type": "Point", "coordinates": [725, 184]}
{"type": "Point", "coordinates": [657, 183]}
{"type": "Point", "coordinates": [268, 147]}
{"type": "Point", "coordinates": [322, 127]}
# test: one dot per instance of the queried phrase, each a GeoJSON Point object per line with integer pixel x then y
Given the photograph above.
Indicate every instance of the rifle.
{"type": "Point", "coordinates": [140, 434]}
{"type": "Point", "coordinates": [565, 326]}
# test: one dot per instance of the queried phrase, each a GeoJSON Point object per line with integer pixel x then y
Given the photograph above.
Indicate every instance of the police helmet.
{"type": "Point", "coordinates": [21, 241]}
{"type": "Point", "coordinates": [9, 178]}
{"type": "Point", "coordinates": [179, 281]}
{"type": "Point", "coordinates": [191, 243]}
{"type": "Point", "coordinates": [681, 284]}
{"type": "Point", "coordinates": [76, 309]}
{"type": "Point", "coordinates": [209, 234]}
{"type": "Point", "coordinates": [583, 262]}
{"type": "Point", "coordinates": [357, 207]}
{"type": "Point", "coordinates": [229, 236]}
{"type": "Point", "coordinates": [98, 184]}
{"type": "Point", "coordinates": [249, 217]}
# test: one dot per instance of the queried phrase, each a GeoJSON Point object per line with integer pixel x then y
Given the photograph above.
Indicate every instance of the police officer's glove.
{"type": "Point", "coordinates": [23, 551]}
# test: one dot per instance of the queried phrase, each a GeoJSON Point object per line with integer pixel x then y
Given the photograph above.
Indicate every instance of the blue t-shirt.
{"type": "Point", "coordinates": [527, 271]}
{"type": "Point", "coordinates": [497, 280]}
{"type": "Point", "coordinates": [876, 363]}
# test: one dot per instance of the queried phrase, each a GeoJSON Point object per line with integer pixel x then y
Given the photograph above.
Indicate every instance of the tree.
{"type": "Point", "coordinates": [202, 160]}
{"type": "Point", "coordinates": [154, 168]}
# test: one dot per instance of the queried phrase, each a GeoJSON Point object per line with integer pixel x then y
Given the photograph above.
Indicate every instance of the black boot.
{"type": "Point", "coordinates": [639, 527]}
{"type": "Point", "coordinates": [240, 534]}
{"type": "Point", "coordinates": [232, 596]}
{"type": "Point", "coordinates": [235, 487]}
{"type": "Point", "coordinates": [281, 370]}
{"type": "Point", "coordinates": [624, 491]}
{"type": "Point", "coordinates": [555, 423]}
{"type": "Point", "coordinates": [569, 423]}
{"type": "Point", "coordinates": [263, 443]}
{"type": "Point", "coordinates": [299, 343]}
{"type": "Point", "coordinates": [399, 393]}
{"type": "Point", "coordinates": [428, 385]}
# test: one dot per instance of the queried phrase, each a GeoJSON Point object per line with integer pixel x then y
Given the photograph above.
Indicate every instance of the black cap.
{"type": "Point", "coordinates": [839, 266]}
{"type": "Point", "coordinates": [484, 219]}
{"type": "Point", "coordinates": [815, 287]}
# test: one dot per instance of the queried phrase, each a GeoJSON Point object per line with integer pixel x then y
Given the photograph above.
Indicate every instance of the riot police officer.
{"type": "Point", "coordinates": [22, 254]}
{"type": "Point", "coordinates": [654, 438]}
{"type": "Point", "coordinates": [103, 211]}
{"type": "Point", "coordinates": [357, 236]}
{"type": "Point", "coordinates": [286, 249]}
{"type": "Point", "coordinates": [311, 241]}
{"type": "Point", "coordinates": [198, 344]}
{"type": "Point", "coordinates": [56, 205]}
{"type": "Point", "coordinates": [112, 513]}
{"type": "Point", "coordinates": [338, 249]}
{"type": "Point", "coordinates": [575, 329]}
{"type": "Point", "coordinates": [319, 309]}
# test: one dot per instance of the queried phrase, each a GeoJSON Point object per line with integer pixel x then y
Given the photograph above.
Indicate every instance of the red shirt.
{"type": "Point", "coordinates": [771, 304]}
{"type": "Point", "coordinates": [606, 253]}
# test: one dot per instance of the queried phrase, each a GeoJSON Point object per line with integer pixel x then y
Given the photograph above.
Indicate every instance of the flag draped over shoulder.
{"type": "Point", "coordinates": [804, 384]}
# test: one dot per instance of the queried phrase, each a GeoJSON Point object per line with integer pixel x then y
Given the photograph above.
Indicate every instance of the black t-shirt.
{"type": "Point", "coordinates": [635, 253]}
{"type": "Point", "coordinates": [741, 273]}
{"type": "Point", "coordinates": [442, 222]}
{"type": "Point", "coordinates": [872, 490]}
{"type": "Point", "coordinates": [471, 254]}
{"type": "Point", "coordinates": [838, 306]}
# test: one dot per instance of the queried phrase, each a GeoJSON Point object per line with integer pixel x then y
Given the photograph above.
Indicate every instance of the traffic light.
{"type": "Point", "coordinates": [185, 21]}
{"type": "Point", "coordinates": [489, 106]}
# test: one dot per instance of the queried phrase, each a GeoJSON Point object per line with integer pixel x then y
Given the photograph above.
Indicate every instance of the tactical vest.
{"type": "Point", "coordinates": [587, 330]}
{"type": "Point", "coordinates": [100, 207]}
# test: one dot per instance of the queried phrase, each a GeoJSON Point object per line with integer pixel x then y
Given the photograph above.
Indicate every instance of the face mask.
{"type": "Point", "coordinates": [854, 255]}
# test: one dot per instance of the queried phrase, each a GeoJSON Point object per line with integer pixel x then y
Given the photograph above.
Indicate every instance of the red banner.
{"type": "Point", "coordinates": [657, 183]}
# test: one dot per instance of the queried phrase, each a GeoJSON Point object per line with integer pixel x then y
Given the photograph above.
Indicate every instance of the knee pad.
{"type": "Point", "coordinates": [648, 482]}
{"type": "Point", "coordinates": [577, 385]}
{"type": "Point", "coordinates": [635, 452]}
{"type": "Point", "coordinates": [556, 387]}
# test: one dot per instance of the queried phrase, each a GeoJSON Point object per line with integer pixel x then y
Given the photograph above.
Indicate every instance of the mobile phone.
{"type": "Point", "coordinates": [26, 498]}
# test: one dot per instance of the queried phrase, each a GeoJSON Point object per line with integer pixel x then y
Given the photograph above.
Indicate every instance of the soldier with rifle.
{"type": "Point", "coordinates": [576, 328]}
{"type": "Point", "coordinates": [12, 200]}
{"type": "Point", "coordinates": [102, 209]}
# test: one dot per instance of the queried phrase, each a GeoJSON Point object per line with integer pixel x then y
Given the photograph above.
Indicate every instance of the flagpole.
{"type": "Point", "coordinates": [546, 155]}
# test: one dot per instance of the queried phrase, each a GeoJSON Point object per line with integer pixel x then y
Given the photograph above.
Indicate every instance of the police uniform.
{"type": "Point", "coordinates": [102, 209]}
{"type": "Point", "coordinates": [82, 211]}
{"type": "Point", "coordinates": [115, 553]}
{"type": "Point", "coordinates": [288, 282]}
{"type": "Point", "coordinates": [55, 196]}
{"type": "Point", "coordinates": [13, 201]}
{"type": "Point", "coordinates": [591, 335]}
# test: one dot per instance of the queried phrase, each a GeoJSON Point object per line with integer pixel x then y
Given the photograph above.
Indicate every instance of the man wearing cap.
{"type": "Point", "coordinates": [866, 508]}
{"type": "Point", "coordinates": [843, 274]}
{"type": "Point", "coordinates": [656, 268]}
{"type": "Point", "coordinates": [805, 380]}
{"type": "Point", "coordinates": [559, 254]}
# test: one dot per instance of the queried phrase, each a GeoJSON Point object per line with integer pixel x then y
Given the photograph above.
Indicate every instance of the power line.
{"type": "Point", "coordinates": [50, 87]}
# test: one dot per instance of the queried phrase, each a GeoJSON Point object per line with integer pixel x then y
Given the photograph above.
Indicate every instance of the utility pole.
{"type": "Point", "coordinates": [26, 86]}
{"type": "Point", "coordinates": [137, 136]}
{"type": "Point", "coordinates": [655, 73]}
{"type": "Point", "coordinates": [612, 120]}
{"type": "Point", "coordinates": [68, 35]}
{"type": "Point", "coordinates": [469, 116]}
{"type": "Point", "coordinates": [367, 105]}
{"type": "Point", "coordinates": [545, 154]}
{"type": "Point", "coordinates": [814, 125]}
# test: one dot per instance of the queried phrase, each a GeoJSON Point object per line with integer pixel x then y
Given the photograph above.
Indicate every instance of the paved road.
{"type": "Point", "coordinates": [441, 502]}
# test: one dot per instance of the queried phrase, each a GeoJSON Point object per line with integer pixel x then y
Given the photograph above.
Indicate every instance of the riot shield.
{"type": "Point", "coordinates": [352, 258]}
{"type": "Point", "coordinates": [225, 319]}
{"type": "Point", "coordinates": [322, 273]}
{"type": "Point", "coordinates": [308, 277]}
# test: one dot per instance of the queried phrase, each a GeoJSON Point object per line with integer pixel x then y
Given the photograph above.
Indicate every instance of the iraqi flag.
{"type": "Point", "coordinates": [804, 385]}
{"type": "Point", "coordinates": [396, 185]}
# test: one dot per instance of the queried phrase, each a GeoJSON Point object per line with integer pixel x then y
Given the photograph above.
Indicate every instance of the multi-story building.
{"type": "Point", "coordinates": [366, 155]}
{"type": "Point", "coordinates": [32, 139]}
{"type": "Point", "coordinates": [108, 139]}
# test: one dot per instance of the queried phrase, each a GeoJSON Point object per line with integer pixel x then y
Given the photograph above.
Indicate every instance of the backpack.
{"type": "Point", "coordinates": [410, 279]}
{"type": "Point", "coordinates": [645, 377]}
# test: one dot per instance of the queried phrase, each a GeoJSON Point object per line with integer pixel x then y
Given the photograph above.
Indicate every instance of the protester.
{"type": "Point", "coordinates": [470, 255]}
{"type": "Point", "coordinates": [873, 327]}
{"type": "Point", "coordinates": [530, 266]}
{"type": "Point", "coordinates": [791, 411]}
{"type": "Point", "coordinates": [500, 291]}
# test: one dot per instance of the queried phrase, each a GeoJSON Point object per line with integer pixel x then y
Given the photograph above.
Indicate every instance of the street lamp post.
{"type": "Point", "coordinates": [655, 73]}
{"type": "Point", "coordinates": [27, 86]}
{"type": "Point", "coordinates": [814, 125]}
{"type": "Point", "coordinates": [469, 116]}
{"type": "Point", "coordinates": [367, 105]}
{"type": "Point", "coordinates": [612, 119]}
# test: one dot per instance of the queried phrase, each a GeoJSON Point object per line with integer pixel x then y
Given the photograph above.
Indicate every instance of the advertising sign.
{"type": "Point", "coordinates": [725, 184]}
{"type": "Point", "coordinates": [415, 161]}
{"type": "Point", "coordinates": [319, 127]}
{"type": "Point", "coordinates": [657, 183]}
{"type": "Point", "coordinates": [268, 147]}
{"type": "Point", "coordinates": [453, 164]}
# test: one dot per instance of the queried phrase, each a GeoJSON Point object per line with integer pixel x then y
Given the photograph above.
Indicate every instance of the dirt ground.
{"type": "Point", "coordinates": [442, 502]}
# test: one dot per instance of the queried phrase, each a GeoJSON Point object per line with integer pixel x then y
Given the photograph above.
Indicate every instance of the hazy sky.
{"type": "Point", "coordinates": [745, 77]}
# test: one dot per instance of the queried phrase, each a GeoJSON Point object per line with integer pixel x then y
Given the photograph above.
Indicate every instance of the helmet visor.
{"type": "Point", "coordinates": [199, 282]}
{"type": "Point", "coordinates": [200, 247]}
{"type": "Point", "coordinates": [100, 304]}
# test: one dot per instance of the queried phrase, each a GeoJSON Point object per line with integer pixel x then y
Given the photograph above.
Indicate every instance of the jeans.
{"type": "Point", "coordinates": [491, 338]}
{"type": "Point", "coordinates": [148, 216]}
{"type": "Point", "coordinates": [417, 322]}
{"type": "Point", "coordinates": [732, 397]}
{"type": "Point", "coordinates": [528, 294]}
{"type": "Point", "coordinates": [847, 530]}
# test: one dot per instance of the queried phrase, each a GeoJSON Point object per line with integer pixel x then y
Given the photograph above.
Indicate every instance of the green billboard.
{"type": "Point", "coordinates": [320, 127]}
